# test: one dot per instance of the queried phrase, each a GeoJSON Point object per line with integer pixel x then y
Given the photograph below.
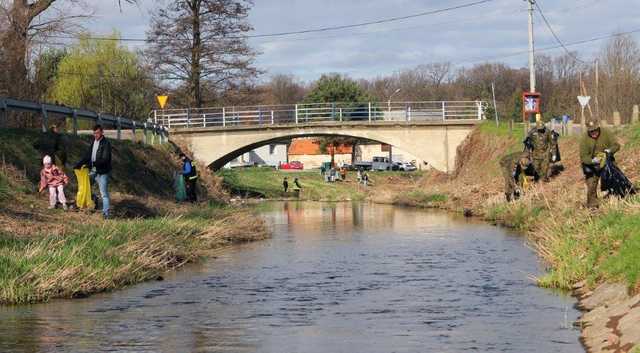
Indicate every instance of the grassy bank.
{"type": "Point", "coordinates": [48, 254]}
{"type": "Point", "coordinates": [578, 244]}
{"type": "Point", "coordinates": [267, 183]}
{"type": "Point", "coordinates": [96, 258]}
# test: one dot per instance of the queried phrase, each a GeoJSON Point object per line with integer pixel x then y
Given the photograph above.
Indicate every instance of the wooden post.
{"type": "Point", "coordinates": [617, 119]}
{"type": "Point", "coordinates": [635, 116]}
{"type": "Point", "coordinates": [296, 114]}
{"type": "Point", "coordinates": [369, 111]}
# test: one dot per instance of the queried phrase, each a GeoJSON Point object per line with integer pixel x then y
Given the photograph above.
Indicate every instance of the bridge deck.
{"type": "Point", "coordinates": [323, 124]}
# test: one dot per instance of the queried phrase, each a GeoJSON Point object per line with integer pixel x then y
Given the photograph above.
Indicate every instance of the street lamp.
{"type": "Point", "coordinates": [391, 96]}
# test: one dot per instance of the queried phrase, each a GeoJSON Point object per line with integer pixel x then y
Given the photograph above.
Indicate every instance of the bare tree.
{"type": "Point", "coordinates": [284, 89]}
{"type": "Point", "coordinates": [197, 41]}
{"type": "Point", "coordinates": [620, 79]}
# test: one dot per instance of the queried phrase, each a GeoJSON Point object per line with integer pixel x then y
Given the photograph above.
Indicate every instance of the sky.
{"type": "Point", "coordinates": [492, 31]}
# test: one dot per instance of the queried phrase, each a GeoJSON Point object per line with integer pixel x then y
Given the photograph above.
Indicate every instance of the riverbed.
{"type": "Point", "coordinates": [335, 277]}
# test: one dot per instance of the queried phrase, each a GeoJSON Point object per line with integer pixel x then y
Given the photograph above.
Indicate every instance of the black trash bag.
{"type": "Point", "coordinates": [613, 181]}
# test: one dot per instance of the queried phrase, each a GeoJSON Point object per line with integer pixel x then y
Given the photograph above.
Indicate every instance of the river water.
{"type": "Point", "coordinates": [335, 278]}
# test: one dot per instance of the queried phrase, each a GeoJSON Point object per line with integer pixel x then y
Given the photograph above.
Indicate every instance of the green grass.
{"type": "Point", "coordinates": [101, 258]}
{"type": "Point", "coordinates": [267, 182]}
{"type": "Point", "coordinates": [418, 198]}
{"type": "Point", "coordinates": [632, 133]}
{"type": "Point", "coordinates": [515, 215]}
{"type": "Point", "coordinates": [605, 248]}
{"type": "Point", "coordinates": [489, 127]}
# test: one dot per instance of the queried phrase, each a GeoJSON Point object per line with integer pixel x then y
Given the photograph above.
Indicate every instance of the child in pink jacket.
{"type": "Point", "coordinates": [53, 178]}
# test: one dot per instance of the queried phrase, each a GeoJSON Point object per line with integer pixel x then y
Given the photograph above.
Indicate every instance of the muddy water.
{"type": "Point", "coordinates": [334, 278]}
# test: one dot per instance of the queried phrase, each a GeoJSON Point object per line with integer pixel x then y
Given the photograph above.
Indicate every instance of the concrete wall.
{"type": "Point", "coordinates": [434, 143]}
{"type": "Point", "coordinates": [272, 154]}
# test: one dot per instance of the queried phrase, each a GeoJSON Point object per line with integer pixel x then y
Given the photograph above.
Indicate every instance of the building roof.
{"type": "Point", "coordinates": [309, 146]}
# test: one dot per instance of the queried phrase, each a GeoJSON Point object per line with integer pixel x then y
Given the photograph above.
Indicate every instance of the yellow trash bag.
{"type": "Point", "coordinates": [83, 198]}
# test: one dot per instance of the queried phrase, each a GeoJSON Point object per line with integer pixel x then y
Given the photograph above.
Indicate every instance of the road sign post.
{"type": "Point", "coordinates": [584, 102]}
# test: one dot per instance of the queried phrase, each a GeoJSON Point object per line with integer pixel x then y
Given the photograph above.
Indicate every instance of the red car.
{"type": "Point", "coordinates": [292, 165]}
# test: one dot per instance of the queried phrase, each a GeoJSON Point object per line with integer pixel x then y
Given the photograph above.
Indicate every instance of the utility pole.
{"type": "Point", "coordinates": [532, 64]}
{"type": "Point", "coordinates": [597, 88]}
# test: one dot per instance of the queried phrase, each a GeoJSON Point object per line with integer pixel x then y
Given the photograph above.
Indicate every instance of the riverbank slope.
{"type": "Point", "coordinates": [595, 253]}
{"type": "Point", "coordinates": [47, 254]}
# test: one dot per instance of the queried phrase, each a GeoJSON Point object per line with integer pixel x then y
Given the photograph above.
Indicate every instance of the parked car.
{"type": "Point", "coordinates": [405, 166]}
{"type": "Point", "coordinates": [292, 165]}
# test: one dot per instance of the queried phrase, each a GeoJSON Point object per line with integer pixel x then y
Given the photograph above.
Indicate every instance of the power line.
{"type": "Point", "coordinates": [305, 31]}
{"type": "Point", "coordinates": [471, 61]}
{"type": "Point", "coordinates": [580, 42]}
{"type": "Point", "coordinates": [553, 32]}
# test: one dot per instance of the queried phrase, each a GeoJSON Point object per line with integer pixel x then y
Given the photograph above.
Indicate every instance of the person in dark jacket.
{"type": "Point", "coordinates": [98, 159]}
{"type": "Point", "coordinates": [285, 184]}
{"type": "Point", "coordinates": [190, 176]}
{"type": "Point", "coordinates": [595, 145]}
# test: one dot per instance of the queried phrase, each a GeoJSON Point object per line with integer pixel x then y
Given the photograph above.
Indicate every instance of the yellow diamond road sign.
{"type": "Point", "coordinates": [162, 100]}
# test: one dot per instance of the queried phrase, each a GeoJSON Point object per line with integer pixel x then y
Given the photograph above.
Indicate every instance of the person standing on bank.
{"type": "Point", "coordinates": [285, 184]}
{"type": "Point", "coordinates": [595, 145]}
{"type": "Point", "coordinates": [190, 175]}
{"type": "Point", "coordinates": [98, 159]}
{"type": "Point", "coordinates": [540, 144]}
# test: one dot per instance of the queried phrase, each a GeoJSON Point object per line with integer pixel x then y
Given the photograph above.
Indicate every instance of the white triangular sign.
{"type": "Point", "coordinates": [584, 100]}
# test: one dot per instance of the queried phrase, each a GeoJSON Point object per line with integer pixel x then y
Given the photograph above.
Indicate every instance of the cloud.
{"type": "Point", "coordinates": [490, 31]}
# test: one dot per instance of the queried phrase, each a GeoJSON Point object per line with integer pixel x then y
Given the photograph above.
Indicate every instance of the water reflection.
{"type": "Point", "coordinates": [335, 278]}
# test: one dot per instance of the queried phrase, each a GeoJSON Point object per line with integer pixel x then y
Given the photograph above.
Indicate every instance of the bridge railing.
{"type": "Point", "coordinates": [46, 111]}
{"type": "Point", "coordinates": [367, 112]}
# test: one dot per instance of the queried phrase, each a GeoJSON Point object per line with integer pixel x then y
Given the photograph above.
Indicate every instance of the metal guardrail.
{"type": "Point", "coordinates": [45, 110]}
{"type": "Point", "coordinates": [369, 112]}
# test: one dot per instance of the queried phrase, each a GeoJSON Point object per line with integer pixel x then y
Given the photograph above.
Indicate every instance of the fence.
{"type": "Point", "coordinates": [48, 110]}
{"type": "Point", "coordinates": [319, 112]}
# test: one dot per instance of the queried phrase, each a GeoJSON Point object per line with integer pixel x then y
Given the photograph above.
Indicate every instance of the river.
{"type": "Point", "coordinates": [334, 278]}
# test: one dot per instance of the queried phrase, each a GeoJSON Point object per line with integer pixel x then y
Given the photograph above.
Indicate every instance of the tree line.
{"type": "Point", "coordinates": [197, 52]}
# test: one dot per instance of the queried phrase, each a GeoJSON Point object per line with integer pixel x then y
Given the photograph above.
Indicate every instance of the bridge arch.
{"type": "Point", "coordinates": [434, 143]}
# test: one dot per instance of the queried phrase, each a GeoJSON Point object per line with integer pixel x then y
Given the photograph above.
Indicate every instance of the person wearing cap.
{"type": "Point", "coordinates": [595, 145]}
{"type": "Point", "coordinates": [515, 169]}
{"type": "Point", "coordinates": [541, 146]}
{"type": "Point", "coordinates": [54, 179]}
